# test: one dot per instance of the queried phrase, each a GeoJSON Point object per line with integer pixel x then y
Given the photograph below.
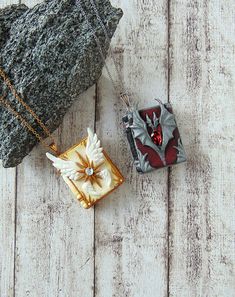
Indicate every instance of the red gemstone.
{"type": "Point", "coordinates": [156, 136]}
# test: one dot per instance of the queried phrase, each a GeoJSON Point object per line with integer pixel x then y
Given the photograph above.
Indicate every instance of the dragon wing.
{"type": "Point", "coordinates": [140, 131]}
{"type": "Point", "coordinates": [93, 149]}
{"type": "Point", "coordinates": [167, 121]}
{"type": "Point", "coordinates": [66, 168]}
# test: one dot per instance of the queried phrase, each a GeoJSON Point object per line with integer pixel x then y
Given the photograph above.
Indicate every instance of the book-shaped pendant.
{"type": "Point", "coordinates": [88, 171]}
{"type": "Point", "coordinates": [154, 137]}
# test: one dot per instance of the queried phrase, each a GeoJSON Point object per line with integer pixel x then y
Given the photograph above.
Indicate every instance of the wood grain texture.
{"type": "Point", "coordinates": [7, 230]}
{"type": "Point", "coordinates": [54, 250]}
{"type": "Point", "coordinates": [168, 233]}
{"type": "Point", "coordinates": [202, 196]}
{"type": "Point", "coordinates": [54, 233]}
{"type": "Point", "coordinates": [7, 221]}
{"type": "Point", "coordinates": [131, 225]}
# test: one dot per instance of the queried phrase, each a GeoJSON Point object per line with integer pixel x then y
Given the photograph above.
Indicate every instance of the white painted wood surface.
{"type": "Point", "coordinates": [131, 253]}
{"type": "Point", "coordinates": [169, 233]}
{"type": "Point", "coordinates": [202, 192]}
{"type": "Point", "coordinates": [7, 222]}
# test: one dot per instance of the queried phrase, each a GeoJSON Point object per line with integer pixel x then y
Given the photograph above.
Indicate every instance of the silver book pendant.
{"type": "Point", "coordinates": [154, 138]}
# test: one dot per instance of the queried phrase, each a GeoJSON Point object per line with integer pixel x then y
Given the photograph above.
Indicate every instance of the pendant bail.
{"type": "Point", "coordinates": [126, 99]}
{"type": "Point", "coordinates": [54, 148]}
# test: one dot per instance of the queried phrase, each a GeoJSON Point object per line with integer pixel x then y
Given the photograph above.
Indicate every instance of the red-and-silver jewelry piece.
{"type": "Point", "coordinates": [154, 137]}
{"type": "Point", "coordinates": [152, 133]}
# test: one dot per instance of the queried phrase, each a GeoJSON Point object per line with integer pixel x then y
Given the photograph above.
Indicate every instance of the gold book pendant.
{"type": "Point", "coordinates": [88, 171]}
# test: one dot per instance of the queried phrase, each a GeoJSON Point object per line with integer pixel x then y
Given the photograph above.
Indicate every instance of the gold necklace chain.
{"type": "Point", "coordinates": [8, 83]}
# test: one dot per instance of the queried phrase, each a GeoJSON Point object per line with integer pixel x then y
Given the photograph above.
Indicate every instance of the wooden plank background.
{"type": "Point", "coordinates": [168, 233]}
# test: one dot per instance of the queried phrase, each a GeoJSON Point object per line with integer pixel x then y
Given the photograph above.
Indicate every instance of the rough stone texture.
{"type": "Point", "coordinates": [51, 57]}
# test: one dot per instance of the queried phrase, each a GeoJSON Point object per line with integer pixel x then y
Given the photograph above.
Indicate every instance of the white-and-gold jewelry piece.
{"type": "Point", "coordinates": [87, 170]}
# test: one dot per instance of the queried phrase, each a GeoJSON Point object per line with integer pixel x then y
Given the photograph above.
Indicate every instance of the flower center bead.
{"type": "Point", "coordinates": [156, 136]}
{"type": "Point", "coordinates": [89, 171]}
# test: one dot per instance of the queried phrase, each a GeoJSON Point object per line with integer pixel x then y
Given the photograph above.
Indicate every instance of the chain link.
{"type": "Point", "coordinates": [123, 95]}
{"type": "Point", "coordinates": [23, 121]}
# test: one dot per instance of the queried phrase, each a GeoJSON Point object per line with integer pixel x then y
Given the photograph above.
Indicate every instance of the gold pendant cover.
{"type": "Point", "coordinates": [88, 171]}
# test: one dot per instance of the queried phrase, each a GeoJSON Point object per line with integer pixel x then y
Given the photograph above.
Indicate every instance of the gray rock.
{"type": "Point", "coordinates": [51, 57]}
